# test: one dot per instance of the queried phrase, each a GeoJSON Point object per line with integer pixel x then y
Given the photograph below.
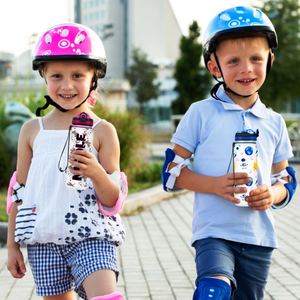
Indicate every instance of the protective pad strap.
{"type": "Point", "coordinates": [112, 296]}
{"type": "Point", "coordinates": [290, 186]}
{"type": "Point", "coordinates": [169, 176]}
{"type": "Point", "coordinates": [121, 180]}
{"type": "Point", "coordinates": [212, 289]}
{"type": "Point", "coordinates": [15, 192]}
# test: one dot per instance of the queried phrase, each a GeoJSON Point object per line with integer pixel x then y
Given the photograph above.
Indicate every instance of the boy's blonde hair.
{"type": "Point", "coordinates": [255, 40]}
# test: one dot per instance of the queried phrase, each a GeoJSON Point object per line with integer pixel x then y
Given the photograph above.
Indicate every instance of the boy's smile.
{"type": "Point", "coordinates": [243, 63]}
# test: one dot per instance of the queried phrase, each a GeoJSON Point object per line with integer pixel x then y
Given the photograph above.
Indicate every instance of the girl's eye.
{"type": "Point", "coordinates": [77, 76]}
{"type": "Point", "coordinates": [56, 76]}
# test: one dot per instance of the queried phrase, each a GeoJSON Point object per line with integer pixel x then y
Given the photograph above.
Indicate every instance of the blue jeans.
{"type": "Point", "coordinates": [247, 266]}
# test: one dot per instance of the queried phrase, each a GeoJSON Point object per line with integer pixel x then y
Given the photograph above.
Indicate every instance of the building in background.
{"type": "Point", "coordinates": [150, 25]}
{"type": "Point", "coordinates": [6, 65]}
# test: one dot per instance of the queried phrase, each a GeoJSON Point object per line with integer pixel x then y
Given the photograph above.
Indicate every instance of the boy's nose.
{"type": "Point", "coordinates": [246, 67]}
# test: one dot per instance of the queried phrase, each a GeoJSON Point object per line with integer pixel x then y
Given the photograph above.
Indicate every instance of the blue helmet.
{"type": "Point", "coordinates": [238, 21]}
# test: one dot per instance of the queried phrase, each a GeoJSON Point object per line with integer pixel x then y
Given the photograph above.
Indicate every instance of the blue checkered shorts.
{"type": "Point", "coordinates": [58, 269]}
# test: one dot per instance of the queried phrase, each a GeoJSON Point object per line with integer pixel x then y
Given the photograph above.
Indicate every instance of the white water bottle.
{"type": "Point", "coordinates": [80, 137]}
{"type": "Point", "coordinates": [245, 161]}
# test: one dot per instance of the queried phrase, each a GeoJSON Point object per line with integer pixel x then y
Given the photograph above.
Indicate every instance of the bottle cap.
{"type": "Point", "coordinates": [247, 135]}
{"type": "Point", "coordinates": [83, 119]}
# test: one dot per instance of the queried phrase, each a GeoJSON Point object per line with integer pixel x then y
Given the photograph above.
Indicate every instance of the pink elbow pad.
{"type": "Point", "coordinates": [9, 198]}
{"type": "Point", "coordinates": [121, 179]}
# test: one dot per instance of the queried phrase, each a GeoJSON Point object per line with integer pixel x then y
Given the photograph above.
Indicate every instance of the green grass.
{"type": "Point", "coordinates": [3, 214]}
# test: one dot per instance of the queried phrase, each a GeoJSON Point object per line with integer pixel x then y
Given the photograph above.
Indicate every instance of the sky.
{"type": "Point", "coordinates": [19, 19]}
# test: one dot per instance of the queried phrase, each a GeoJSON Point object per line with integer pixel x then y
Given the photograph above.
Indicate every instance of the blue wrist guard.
{"type": "Point", "coordinates": [290, 186]}
{"type": "Point", "coordinates": [168, 177]}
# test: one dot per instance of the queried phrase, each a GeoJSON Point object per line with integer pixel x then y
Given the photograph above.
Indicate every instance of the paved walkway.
{"type": "Point", "coordinates": [157, 262]}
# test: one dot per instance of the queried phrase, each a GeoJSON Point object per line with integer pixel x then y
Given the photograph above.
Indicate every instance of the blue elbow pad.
{"type": "Point", "coordinates": [168, 177]}
{"type": "Point", "coordinates": [290, 186]}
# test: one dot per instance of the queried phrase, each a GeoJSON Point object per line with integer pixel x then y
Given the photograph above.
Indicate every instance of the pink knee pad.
{"type": "Point", "coordinates": [112, 296]}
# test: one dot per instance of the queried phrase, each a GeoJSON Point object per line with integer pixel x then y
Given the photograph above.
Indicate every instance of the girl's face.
{"type": "Point", "coordinates": [68, 83]}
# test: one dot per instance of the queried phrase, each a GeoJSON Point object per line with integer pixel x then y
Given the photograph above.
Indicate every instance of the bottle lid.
{"type": "Point", "coordinates": [83, 119]}
{"type": "Point", "coordinates": [247, 135]}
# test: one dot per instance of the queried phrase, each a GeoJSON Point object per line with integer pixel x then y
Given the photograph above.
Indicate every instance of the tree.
{"type": "Point", "coordinates": [193, 80]}
{"type": "Point", "coordinates": [141, 75]}
{"type": "Point", "coordinates": [282, 85]}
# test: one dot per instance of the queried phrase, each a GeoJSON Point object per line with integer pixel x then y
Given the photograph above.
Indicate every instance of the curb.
{"type": "Point", "coordinates": [132, 203]}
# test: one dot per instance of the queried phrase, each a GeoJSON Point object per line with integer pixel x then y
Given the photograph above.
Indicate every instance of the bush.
{"type": "Point", "coordinates": [129, 126]}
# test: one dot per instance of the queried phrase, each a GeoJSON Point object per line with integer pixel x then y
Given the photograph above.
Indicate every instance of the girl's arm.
{"type": "Point", "coordinates": [109, 157]}
{"type": "Point", "coordinates": [15, 263]}
{"type": "Point", "coordinates": [222, 185]}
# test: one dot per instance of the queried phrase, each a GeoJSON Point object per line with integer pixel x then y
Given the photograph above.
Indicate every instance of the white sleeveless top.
{"type": "Point", "coordinates": [53, 213]}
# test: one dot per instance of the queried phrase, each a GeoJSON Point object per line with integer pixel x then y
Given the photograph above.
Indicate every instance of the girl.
{"type": "Point", "coordinates": [71, 240]}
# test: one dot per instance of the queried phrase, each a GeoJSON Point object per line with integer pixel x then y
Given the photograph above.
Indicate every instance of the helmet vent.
{"type": "Point", "coordinates": [79, 38]}
{"type": "Point", "coordinates": [48, 39]}
{"type": "Point", "coordinates": [65, 32]}
{"type": "Point", "coordinates": [225, 17]}
{"type": "Point", "coordinates": [257, 14]}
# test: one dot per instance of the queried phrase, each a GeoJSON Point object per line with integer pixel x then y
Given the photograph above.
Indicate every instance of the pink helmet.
{"type": "Point", "coordinates": [70, 41]}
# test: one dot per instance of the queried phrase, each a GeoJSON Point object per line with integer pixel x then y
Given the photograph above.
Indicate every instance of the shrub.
{"type": "Point", "coordinates": [129, 126]}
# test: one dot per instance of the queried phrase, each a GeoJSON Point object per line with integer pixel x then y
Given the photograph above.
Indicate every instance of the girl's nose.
{"type": "Point", "coordinates": [67, 84]}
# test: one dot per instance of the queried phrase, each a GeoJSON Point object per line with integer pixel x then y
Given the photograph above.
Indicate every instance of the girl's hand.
{"type": "Point", "coordinates": [261, 198]}
{"type": "Point", "coordinates": [15, 263]}
{"type": "Point", "coordinates": [84, 163]}
{"type": "Point", "coordinates": [225, 185]}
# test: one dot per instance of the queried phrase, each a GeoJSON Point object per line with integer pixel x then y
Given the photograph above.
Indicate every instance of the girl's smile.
{"type": "Point", "coordinates": [68, 83]}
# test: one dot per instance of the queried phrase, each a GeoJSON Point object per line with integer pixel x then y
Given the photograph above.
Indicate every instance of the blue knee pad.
{"type": "Point", "coordinates": [212, 289]}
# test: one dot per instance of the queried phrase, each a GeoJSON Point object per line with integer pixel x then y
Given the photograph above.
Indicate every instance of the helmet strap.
{"type": "Point", "coordinates": [49, 101]}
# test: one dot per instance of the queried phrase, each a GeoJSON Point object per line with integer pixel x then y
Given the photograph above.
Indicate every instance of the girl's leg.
{"type": "Point", "coordinates": [66, 296]}
{"type": "Point", "coordinates": [100, 283]}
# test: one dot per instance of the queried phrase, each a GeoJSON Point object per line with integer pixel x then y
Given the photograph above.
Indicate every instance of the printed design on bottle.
{"type": "Point", "coordinates": [80, 139]}
{"type": "Point", "coordinates": [245, 160]}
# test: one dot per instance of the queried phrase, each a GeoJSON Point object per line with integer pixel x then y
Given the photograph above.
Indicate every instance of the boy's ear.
{"type": "Point", "coordinates": [213, 68]}
{"type": "Point", "coordinates": [272, 58]}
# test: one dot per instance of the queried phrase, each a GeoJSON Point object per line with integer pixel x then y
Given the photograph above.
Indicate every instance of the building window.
{"type": "Point", "coordinates": [91, 3]}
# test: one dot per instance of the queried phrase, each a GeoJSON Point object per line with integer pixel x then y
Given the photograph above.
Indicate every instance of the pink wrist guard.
{"type": "Point", "coordinates": [10, 201]}
{"type": "Point", "coordinates": [110, 211]}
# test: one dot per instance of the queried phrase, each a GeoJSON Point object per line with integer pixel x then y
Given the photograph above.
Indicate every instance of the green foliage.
{"type": "Point", "coordinates": [148, 173]}
{"type": "Point", "coordinates": [141, 75]}
{"type": "Point", "coordinates": [193, 80]}
{"type": "Point", "coordinates": [282, 84]}
{"type": "Point", "coordinates": [132, 138]}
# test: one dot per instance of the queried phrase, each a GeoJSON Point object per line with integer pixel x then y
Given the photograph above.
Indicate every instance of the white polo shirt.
{"type": "Point", "coordinates": [208, 130]}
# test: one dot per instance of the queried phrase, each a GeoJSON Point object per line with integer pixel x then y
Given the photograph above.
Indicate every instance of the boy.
{"type": "Point", "coordinates": [233, 244]}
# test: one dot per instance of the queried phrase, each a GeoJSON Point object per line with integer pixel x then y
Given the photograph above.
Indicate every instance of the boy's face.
{"type": "Point", "coordinates": [243, 63]}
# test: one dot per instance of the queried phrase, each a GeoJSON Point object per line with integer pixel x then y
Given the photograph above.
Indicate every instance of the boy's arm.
{"type": "Point", "coordinates": [223, 186]}
{"type": "Point", "coordinates": [264, 196]}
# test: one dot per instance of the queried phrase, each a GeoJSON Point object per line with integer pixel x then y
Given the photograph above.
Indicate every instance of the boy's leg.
{"type": "Point", "coordinates": [251, 272]}
{"type": "Point", "coordinates": [215, 261]}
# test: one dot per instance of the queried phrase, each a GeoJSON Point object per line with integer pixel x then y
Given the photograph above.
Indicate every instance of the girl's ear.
{"type": "Point", "coordinates": [213, 68]}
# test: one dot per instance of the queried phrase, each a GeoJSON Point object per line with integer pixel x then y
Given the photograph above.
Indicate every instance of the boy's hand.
{"type": "Point", "coordinates": [261, 198]}
{"type": "Point", "coordinates": [15, 263]}
{"type": "Point", "coordinates": [225, 185]}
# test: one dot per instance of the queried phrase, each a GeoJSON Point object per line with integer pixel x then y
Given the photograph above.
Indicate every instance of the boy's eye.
{"type": "Point", "coordinates": [56, 76]}
{"type": "Point", "coordinates": [255, 58]}
{"type": "Point", "coordinates": [234, 61]}
{"type": "Point", "coordinates": [77, 76]}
